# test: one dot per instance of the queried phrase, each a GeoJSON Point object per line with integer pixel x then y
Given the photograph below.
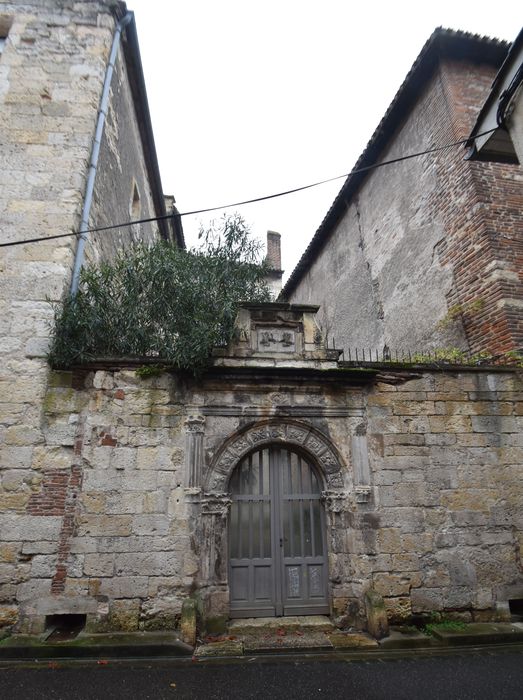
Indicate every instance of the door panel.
{"type": "Point", "coordinates": [278, 563]}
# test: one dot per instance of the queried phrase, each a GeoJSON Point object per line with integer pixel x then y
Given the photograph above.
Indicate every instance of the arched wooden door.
{"type": "Point", "coordinates": [277, 543]}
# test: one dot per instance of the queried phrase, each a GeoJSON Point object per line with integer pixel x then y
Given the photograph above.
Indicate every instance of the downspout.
{"type": "Point", "coordinates": [93, 164]}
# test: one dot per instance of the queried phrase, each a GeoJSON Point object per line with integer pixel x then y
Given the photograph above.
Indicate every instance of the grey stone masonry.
{"type": "Point", "coordinates": [423, 504]}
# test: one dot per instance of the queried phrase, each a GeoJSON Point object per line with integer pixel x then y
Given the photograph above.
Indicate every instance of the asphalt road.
{"type": "Point", "coordinates": [492, 676]}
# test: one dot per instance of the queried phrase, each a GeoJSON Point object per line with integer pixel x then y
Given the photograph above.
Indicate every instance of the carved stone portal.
{"type": "Point", "coordinates": [295, 433]}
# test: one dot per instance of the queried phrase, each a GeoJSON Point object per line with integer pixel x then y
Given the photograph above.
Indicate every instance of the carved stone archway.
{"type": "Point", "coordinates": [290, 432]}
{"type": "Point", "coordinates": [213, 500]}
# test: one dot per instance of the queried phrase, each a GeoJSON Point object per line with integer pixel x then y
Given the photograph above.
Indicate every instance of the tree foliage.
{"type": "Point", "coordinates": [162, 302]}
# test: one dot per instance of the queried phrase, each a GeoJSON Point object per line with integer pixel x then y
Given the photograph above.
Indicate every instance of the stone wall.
{"type": "Point", "coordinates": [124, 511]}
{"type": "Point", "coordinates": [446, 526]}
{"type": "Point", "coordinates": [52, 70]}
{"type": "Point", "coordinates": [429, 240]}
{"type": "Point", "coordinates": [123, 190]}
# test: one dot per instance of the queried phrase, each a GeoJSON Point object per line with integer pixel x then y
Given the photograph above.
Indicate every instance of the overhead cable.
{"type": "Point", "coordinates": [150, 219]}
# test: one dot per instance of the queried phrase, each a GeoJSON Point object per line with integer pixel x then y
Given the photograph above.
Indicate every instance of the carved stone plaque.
{"type": "Point", "coordinates": [276, 340]}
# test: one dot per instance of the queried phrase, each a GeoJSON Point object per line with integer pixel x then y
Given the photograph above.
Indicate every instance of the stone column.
{"type": "Point", "coordinates": [194, 427]}
{"type": "Point", "coordinates": [214, 552]}
{"type": "Point", "coordinates": [360, 464]}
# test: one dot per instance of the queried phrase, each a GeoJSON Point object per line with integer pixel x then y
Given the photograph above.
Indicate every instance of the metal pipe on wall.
{"type": "Point", "coordinates": [95, 152]}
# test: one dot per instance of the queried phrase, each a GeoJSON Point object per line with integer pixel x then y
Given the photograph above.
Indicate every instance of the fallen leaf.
{"type": "Point", "coordinates": [281, 632]}
{"type": "Point", "coordinates": [53, 664]}
{"type": "Point", "coordinates": [299, 633]}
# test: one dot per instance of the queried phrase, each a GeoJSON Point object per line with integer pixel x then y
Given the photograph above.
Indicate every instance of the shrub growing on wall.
{"type": "Point", "coordinates": [161, 301]}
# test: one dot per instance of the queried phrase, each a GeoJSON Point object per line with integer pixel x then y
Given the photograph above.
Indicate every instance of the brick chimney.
{"type": "Point", "coordinates": [273, 258]}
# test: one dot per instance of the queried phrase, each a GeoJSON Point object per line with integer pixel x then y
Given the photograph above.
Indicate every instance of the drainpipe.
{"type": "Point", "coordinates": [93, 164]}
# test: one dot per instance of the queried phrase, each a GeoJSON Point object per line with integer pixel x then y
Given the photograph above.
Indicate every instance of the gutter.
{"type": "Point", "coordinates": [95, 152]}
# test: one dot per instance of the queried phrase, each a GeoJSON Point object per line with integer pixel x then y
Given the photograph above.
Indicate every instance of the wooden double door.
{"type": "Point", "coordinates": [277, 543]}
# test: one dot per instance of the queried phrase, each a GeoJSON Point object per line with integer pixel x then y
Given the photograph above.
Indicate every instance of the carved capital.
{"type": "Point", "coordinates": [335, 501]}
{"type": "Point", "coordinates": [216, 504]}
{"type": "Point", "coordinates": [363, 494]}
{"type": "Point", "coordinates": [195, 423]}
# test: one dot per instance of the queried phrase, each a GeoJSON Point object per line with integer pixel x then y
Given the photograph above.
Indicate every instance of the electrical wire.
{"type": "Point", "coordinates": [363, 169]}
{"type": "Point", "coordinates": [506, 97]}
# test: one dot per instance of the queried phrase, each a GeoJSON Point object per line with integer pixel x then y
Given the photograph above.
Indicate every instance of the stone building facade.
{"type": "Point", "coordinates": [54, 63]}
{"type": "Point", "coordinates": [425, 253]}
{"type": "Point", "coordinates": [416, 488]}
{"type": "Point", "coordinates": [282, 480]}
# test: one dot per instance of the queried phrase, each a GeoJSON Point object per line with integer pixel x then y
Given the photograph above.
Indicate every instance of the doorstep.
{"type": "Point", "coordinates": [265, 635]}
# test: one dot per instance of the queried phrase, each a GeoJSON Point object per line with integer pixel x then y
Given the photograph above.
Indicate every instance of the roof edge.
{"type": "Point", "coordinates": [133, 60]}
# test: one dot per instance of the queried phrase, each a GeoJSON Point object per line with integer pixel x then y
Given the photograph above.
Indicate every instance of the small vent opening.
{"type": "Point", "coordinates": [60, 628]}
{"type": "Point", "coordinates": [516, 607]}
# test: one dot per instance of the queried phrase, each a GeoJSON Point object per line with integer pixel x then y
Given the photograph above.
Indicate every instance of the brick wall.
{"type": "Point", "coordinates": [481, 206]}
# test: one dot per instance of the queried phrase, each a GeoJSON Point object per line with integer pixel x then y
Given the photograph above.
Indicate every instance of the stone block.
{"type": "Point", "coordinates": [450, 424]}
{"type": "Point", "coordinates": [188, 621]}
{"type": "Point", "coordinates": [124, 587]}
{"type": "Point", "coordinates": [408, 494]}
{"type": "Point", "coordinates": [147, 563]}
{"type": "Point", "coordinates": [496, 424]}
{"type": "Point", "coordinates": [104, 525]}
{"type": "Point", "coordinates": [15, 457]}
{"type": "Point", "coordinates": [377, 623]}
{"type": "Point", "coordinates": [17, 528]}
{"type": "Point", "coordinates": [406, 562]}
{"type": "Point", "coordinates": [14, 501]}
{"type": "Point", "coordinates": [161, 614]}
{"type": "Point", "coordinates": [398, 609]}
{"type": "Point", "coordinates": [124, 616]}
{"type": "Point", "coordinates": [8, 615]}
{"type": "Point", "coordinates": [155, 502]}
{"type": "Point", "coordinates": [94, 503]}
{"type": "Point", "coordinates": [123, 458]}
{"type": "Point", "coordinates": [98, 564]}
{"type": "Point", "coordinates": [413, 408]}
{"type": "Point", "coordinates": [43, 566]}
{"type": "Point", "coordinates": [22, 435]}
{"type": "Point", "coordinates": [389, 540]}
{"type": "Point", "coordinates": [154, 524]}
{"type": "Point", "coordinates": [391, 584]}
{"type": "Point", "coordinates": [33, 590]}
{"type": "Point", "coordinates": [427, 599]}
{"type": "Point", "coordinates": [57, 457]}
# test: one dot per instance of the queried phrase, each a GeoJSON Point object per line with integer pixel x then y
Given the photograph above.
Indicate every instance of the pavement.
{"type": "Point", "coordinates": [293, 636]}
{"type": "Point", "coordinates": [464, 674]}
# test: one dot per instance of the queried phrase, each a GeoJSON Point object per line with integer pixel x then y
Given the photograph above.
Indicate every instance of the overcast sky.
{"type": "Point", "coordinates": [250, 98]}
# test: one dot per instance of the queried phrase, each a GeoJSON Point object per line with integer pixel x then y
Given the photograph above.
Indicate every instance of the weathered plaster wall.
{"type": "Point", "coordinates": [426, 235]}
{"type": "Point", "coordinates": [113, 526]}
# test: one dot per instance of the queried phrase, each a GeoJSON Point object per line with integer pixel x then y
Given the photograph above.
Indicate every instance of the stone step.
{"type": "Point", "coordinates": [302, 623]}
